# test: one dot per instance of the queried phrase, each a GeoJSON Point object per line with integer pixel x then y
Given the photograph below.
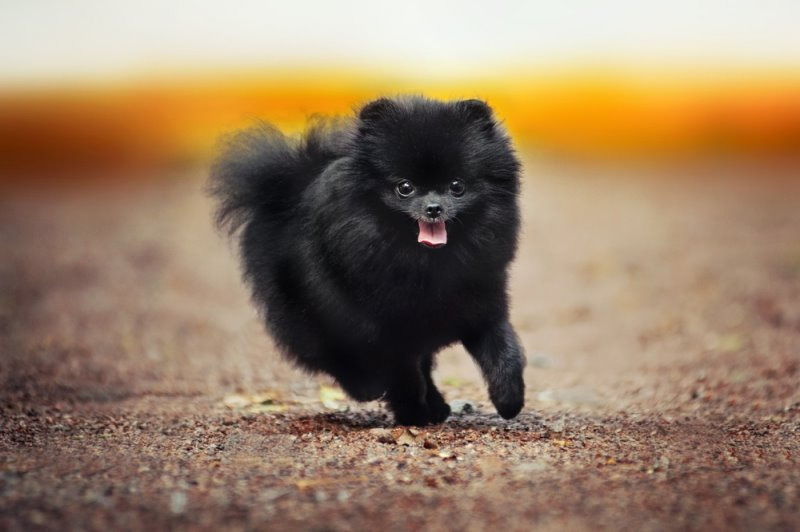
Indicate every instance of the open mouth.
{"type": "Point", "coordinates": [432, 234]}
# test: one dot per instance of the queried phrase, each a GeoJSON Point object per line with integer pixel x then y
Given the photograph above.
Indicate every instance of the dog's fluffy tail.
{"type": "Point", "coordinates": [262, 171]}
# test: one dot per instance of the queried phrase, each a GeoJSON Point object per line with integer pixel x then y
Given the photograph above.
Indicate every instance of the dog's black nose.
{"type": "Point", "coordinates": [433, 210]}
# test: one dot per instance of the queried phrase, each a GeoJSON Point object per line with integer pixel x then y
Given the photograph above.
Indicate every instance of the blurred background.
{"type": "Point", "coordinates": [94, 86]}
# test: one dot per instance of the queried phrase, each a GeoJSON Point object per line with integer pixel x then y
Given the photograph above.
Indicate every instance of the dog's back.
{"type": "Point", "coordinates": [262, 173]}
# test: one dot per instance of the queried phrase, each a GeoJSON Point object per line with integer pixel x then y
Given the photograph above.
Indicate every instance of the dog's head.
{"type": "Point", "coordinates": [438, 163]}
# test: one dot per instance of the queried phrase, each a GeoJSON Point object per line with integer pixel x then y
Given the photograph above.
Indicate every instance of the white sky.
{"type": "Point", "coordinates": [68, 40]}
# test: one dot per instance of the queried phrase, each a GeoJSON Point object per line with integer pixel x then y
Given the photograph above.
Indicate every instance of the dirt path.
{"type": "Point", "coordinates": [662, 326]}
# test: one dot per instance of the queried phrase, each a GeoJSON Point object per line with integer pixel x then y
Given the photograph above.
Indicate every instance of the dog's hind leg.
{"type": "Point", "coordinates": [407, 393]}
{"type": "Point", "coordinates": [360, 380]}
{"type": "Point", "coordinates": [438, 409]}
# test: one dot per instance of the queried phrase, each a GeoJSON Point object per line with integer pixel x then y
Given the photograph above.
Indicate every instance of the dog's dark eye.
{"type": "Point", "coordinates": [457, 187]}
{"type": "Point", "coordinates": [405, 189]}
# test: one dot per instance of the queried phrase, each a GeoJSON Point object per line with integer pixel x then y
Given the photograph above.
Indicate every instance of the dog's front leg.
{"type": "Point", "coordinates": [499, 354]}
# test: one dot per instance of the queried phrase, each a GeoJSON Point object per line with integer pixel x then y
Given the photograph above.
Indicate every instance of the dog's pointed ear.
{"type": "Point", "coordinates": [477, 111]}
{"type": "Point", "coordinates": [377, 110]}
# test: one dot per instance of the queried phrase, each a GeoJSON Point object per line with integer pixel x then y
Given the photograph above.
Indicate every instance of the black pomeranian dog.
{"type": "Point", "coordinates": [373, 243]}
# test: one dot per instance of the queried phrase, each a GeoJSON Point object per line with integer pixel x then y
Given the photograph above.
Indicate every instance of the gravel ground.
{"type": "Point", "coordinates": [660, 318]}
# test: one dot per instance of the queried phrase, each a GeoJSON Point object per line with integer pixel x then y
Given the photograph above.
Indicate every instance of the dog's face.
{"type": "Point", "coordinates": [437, 163]}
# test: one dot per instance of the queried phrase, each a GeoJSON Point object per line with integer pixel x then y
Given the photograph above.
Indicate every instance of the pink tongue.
{"type": "Point", "coordinates": [432, 234]}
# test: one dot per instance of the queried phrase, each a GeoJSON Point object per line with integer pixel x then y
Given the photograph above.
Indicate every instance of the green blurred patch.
{"type": "Point", "coordinates": [454, 382]}
{"type": "Point", "coordinates": [793, 264]}
{"type": "Point", "coordinates": [330, 397]}
{"type": "Point", "coordinates": [726, 343]}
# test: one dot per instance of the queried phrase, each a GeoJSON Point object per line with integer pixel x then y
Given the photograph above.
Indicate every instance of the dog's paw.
{"type": "Point", "coordinates": [416, 417]}
{"type": "Point", "coordinates": [439, 411]}
{"type": "Point", "coordinates": [508, 399]}
{"type": "Point", "coordinates": [363, 389]}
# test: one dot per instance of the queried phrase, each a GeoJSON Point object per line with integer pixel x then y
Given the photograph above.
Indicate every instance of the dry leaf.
{"type": "Point", "coordinates": [255, 403]}
{"type": "Point", "coordinates": [408, 436]}
{"type": "Point", "coordinates": [261, 408]}
{"type": "Point", "coordinates": [383, 435]}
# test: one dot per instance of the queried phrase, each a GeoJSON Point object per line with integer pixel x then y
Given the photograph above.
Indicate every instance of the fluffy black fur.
{"type": "Point", "coordinates": [329, 247]}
